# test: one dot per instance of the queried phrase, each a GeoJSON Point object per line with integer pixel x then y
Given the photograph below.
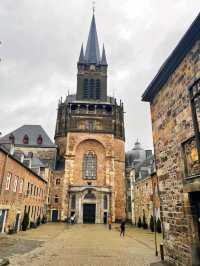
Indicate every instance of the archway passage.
{"type": "Point", "coordinates": [89, 213]}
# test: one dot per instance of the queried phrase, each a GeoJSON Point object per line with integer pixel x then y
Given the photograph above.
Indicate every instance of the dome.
{"type": "Point", "coordinates": [136, 155]}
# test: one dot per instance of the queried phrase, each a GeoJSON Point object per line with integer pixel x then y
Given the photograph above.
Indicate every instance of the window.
{"type": "Point", "coordinates": [85, 89]}
{"type": "Point", "coordinates": [21, 184]}
{"type": "Point", "coordinates": [8, 181]}
{"type": "Point", "coordinates": [105, 202]}
{"type": "Point", "coordinates": [12, 138]}
{"type": "Point", "coordinates": [89, 166]}
{"type": "Point", "coordinates": [26, 139]}
{"type": "Point", "coordinates": [15, 184]}
{"type": "Point", "coordinates": [56, 198]}
{"type": "Point", "coordinates": [90, 196]}
{"type": "Point", "coordinates": [39, 140]}
{"type": "Point", "coordinates": [91, 89]}
{"type": "Point", "coordinates": [58, 181]}
{"type": "Point", "coordinates": [129, 203]}
{"type": "Point", "coordinates": [73, 201]}
{"type": "Point", "coordinates": [98, 89]}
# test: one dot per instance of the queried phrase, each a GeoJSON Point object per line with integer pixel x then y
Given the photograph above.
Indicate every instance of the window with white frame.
{"type": "Point", "coordinates": [8, 181]}
{"type": "Point", "coordinates": [21, 184]}
{"type": "Point", "coordinates": [15, 184]}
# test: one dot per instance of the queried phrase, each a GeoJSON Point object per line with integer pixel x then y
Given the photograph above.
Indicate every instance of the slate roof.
{"type": "Point", "coordinates": [92, 54]}
{"type": "Point", "coordinates": [174, 60]}
{"type": "Point", "coordinates": [32, 131]}
{"type": "Point", "coordinates": [5, 151]}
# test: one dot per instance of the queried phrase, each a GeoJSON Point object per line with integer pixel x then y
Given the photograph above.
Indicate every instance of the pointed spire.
{"type": "Point", "coordinates": [103, 58]}
{"type": "Point", "coordinates": [81, 57]}
{"type": "Point", "coordinates": [92, 54]}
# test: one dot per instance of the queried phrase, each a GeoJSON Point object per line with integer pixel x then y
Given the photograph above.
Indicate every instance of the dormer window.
{"type": "Point", "coordinates": [26, 139]}
{"type": "Point", "coordinates": [12, 138]}
{"type": "Point", "coordinates": [39, 140]}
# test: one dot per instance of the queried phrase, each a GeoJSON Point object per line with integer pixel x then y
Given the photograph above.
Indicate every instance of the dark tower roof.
{"type": "Point", "coordinates": [81, 57]}
{"type": "Point", "coordinates": [92, 54]}
{"type": "Point", "coordinates": [103, 58]}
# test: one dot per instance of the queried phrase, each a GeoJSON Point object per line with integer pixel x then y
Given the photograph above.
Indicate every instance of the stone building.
{"type": "Point", "coordinates": [89, 179]}
{"type": "Point", "coordinates": [21, 190]}
{"type": "Point", "coordinates": [139, 167]}
{"type": "Point", "coordinates": [146, 198]}
{"type": "Point", "coordinates": [174, 99]}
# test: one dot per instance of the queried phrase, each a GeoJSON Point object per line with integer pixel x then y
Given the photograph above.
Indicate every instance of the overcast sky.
{"type": "Point", "coordinates": [41, 41]}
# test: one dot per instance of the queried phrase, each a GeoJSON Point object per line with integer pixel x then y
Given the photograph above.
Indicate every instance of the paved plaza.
{"type": "Point", "coordinates": [91, 245]}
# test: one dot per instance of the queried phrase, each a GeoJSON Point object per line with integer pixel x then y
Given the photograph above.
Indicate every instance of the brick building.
{"type": "Point", "coordinates": [89, 179]}
{"type": "Point", "coordinates": [174, 99]}
{"type": "Point", "coordinates": [21, 189]}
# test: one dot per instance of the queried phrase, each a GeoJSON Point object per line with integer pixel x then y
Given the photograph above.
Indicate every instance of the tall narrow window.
{"type": "Point", "coordinates": [98, 89]}
{"type": "Point", "coordinates": [89, 165]}
{"type": "Point", "coordinates": [105, 202]}
{"type": "Point", "coordinates": [91, 89]}
{"type": "Point", "coordinates": [73, 201]}
{"type": "Point", "coordinates": [85, 89]}
{"type": "Point", "coordinates": [8, 181]}
{"type": "Point", "coordinates": [25, 139]}
{"type": "Point", "coordinates": [15, 183]}
{"type": "Point", "coordinates": [21, 184]}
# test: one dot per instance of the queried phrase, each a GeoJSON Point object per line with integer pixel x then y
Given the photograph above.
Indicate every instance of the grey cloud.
{"type": "Point", "coordinates": [41, 41]}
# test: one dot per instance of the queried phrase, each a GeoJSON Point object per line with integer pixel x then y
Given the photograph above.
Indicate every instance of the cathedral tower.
{"type": "Point", "coordinates": [90, 138]}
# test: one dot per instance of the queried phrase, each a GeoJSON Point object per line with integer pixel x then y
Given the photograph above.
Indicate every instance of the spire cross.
{"type": "Point", "coordinates": [93, 6]}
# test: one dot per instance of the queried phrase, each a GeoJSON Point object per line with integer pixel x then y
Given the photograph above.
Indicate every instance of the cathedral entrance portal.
{"type": "Point", "coordinates": [89, 213]}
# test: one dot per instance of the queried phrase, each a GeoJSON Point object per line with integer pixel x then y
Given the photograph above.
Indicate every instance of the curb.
{"type": "Point", "coordinates": [4, 262]}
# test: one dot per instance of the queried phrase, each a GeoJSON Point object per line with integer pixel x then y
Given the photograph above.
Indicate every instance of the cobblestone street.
{"type": "Point", "coordinates": [60, 244]}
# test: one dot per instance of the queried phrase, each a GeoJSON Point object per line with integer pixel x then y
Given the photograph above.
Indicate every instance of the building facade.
{"type": "Point", "coordinates": [174, 98]}
{"type": "Point", "coordinates": [90, 139]}
{"type": "Point", "coordinates": [21, 190]}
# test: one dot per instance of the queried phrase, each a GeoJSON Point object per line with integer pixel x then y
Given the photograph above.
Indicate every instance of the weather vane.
{"type": "Point", "coordinates": [93, 6]}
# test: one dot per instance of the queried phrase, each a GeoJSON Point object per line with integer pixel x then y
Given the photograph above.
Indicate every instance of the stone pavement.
{"type": "Point", "coordinates": [79, 245]}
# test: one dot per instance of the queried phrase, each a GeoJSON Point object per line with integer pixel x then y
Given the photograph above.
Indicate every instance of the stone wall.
{"type": "Point", "coordinates": [172, 125]}
{"type": "Point", "coordinates": [110, 169]}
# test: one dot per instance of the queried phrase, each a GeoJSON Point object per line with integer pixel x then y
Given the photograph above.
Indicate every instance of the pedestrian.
{"type": "Point", "coordinates": [122, 227]}
{"type": "Point", "coordinates": [110, 223]}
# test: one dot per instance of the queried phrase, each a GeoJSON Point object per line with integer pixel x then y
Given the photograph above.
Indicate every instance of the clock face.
{"type": "Point", "coordinates": [92, 67]}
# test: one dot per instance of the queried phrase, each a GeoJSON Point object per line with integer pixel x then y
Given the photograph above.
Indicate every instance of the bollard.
{"type": "Point", "coordinates": [161, 252]}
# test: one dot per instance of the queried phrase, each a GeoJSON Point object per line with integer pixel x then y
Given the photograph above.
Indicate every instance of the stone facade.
{"type": "Point", "coordinates": [20, 190]}
{"type": "Point", "coordinates": [176, 151]}
{"type": "Point", "coordinates": [90, 138]}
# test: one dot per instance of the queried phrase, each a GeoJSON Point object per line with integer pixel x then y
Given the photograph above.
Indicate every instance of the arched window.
{"type": "Point", "coordinates": [26, 139]}
{"type": "Point", "coordinates": [58, 181]}
{"type": "Point", "coordinates": [85, 89]}
{"type": "Point", "coordinates": [105, 202]}
{"type": "Point", "coordinates": [98, 89]}
{"type": "Point", "coordinates": [89, 165]}
{"type": "Point", "coordinates": [39, 140]}
{"type": "Point", "coordinates": [91, 89]}
{"type": "Point", "coordinates": [56, 198]}
{"type": "Point", "coordinates": [73, 201]}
